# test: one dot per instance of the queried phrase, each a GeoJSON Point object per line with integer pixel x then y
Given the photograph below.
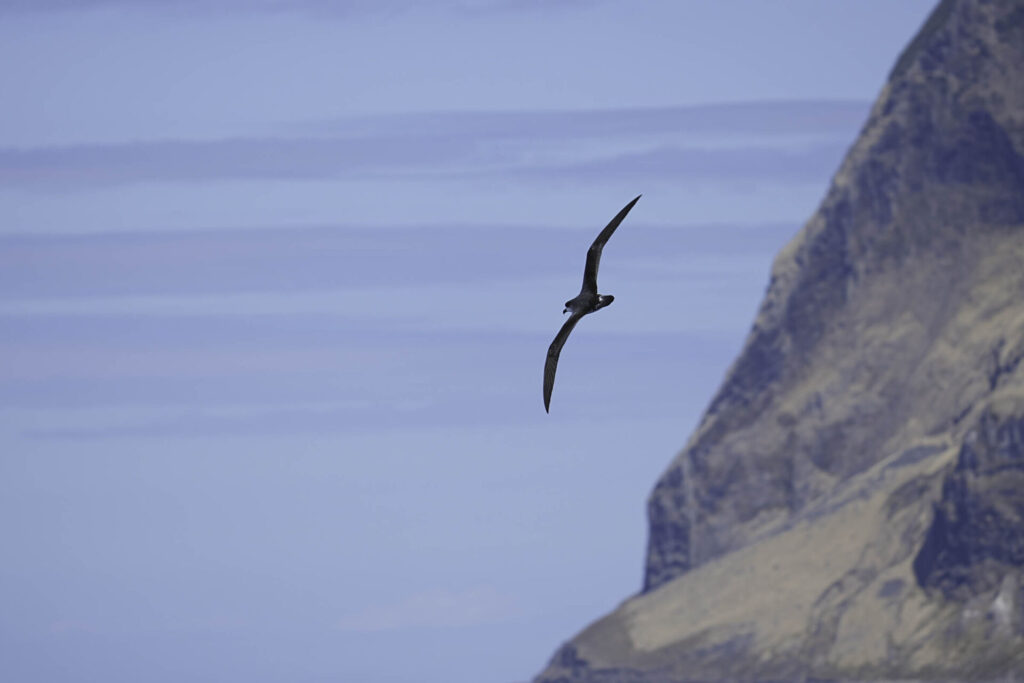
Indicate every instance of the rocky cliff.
{"type": "Point", "coordinates": [851, 505]}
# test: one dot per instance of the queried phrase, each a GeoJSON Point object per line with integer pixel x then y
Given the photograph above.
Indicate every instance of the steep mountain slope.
{"type": "Point", "coordinates": [852, 503]}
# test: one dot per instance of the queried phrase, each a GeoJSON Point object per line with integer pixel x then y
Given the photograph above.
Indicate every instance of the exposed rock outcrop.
{"type": "Point", "coordinates": [852, 504]}
{"type": "Point", "coordinates": [976, 537]}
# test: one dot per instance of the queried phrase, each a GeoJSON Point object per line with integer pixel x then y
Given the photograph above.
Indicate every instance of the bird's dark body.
{"type": "Point", "coordinates": [584, 303]}
{"type": "Point", "coordinates": [587, 302]}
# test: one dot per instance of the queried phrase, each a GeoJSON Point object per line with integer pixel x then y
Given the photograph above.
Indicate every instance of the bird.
{"type": "Point", "coordinates": [584, 303]}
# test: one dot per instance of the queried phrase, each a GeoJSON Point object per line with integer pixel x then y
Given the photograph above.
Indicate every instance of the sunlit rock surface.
{"type": "Point", "coordinates": [851, 506]}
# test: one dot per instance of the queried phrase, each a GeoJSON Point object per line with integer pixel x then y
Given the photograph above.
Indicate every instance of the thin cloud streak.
{"type": "Point", "coordinates": [512, 6]}
{"type": "Point", "coordinates": [327, 8]}
{"type": "Point", "coordinates": [348, 7]}
{"type": "Point", "coordinates": [762, 164]}
{"type": "Point", "coordinates": [199, 161]}
{"type": "Point", "coordinates": [288, 260]}
{"type": "Point", "coordinates": [357, 392]}
{"type": "Point", "coordinates": [763, 117]}
{"type": "Point", "coordinates": [792, 140]}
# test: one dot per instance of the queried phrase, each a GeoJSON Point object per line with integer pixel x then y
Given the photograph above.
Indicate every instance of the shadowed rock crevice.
{"type": "Point", "coordinates": [977, 535]}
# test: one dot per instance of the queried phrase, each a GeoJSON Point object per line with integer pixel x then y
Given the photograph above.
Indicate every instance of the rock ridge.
{"type": "Point", "coordinates": [851, 505]}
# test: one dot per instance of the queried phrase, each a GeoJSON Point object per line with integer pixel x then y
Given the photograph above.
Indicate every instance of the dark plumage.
{"type": "Point", "coordinates": [587, 301]}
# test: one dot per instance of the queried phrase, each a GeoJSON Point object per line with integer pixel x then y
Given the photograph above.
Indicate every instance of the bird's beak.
{"type": "Point", "coordinates": [564, 311]}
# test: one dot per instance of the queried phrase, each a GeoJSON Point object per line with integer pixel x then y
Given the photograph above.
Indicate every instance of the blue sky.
{"type": "Point", "coordinates": [276, 284]}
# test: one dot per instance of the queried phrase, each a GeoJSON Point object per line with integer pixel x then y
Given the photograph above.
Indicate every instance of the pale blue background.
{"type": "Point", "coordinates": [276, 285]}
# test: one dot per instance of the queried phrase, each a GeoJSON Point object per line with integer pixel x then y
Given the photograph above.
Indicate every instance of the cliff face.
{"type": "Point", "coordinates": [852, 503]}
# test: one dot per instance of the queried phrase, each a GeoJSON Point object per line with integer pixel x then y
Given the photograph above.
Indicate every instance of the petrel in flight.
{"type": "Point", "coordinates": [587, 301]}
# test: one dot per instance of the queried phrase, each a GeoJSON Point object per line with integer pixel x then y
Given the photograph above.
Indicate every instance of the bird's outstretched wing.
{"type": "Point", "coordinates": [551, 364]}
{"type": "Point", "coordinates": [594, 253]}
